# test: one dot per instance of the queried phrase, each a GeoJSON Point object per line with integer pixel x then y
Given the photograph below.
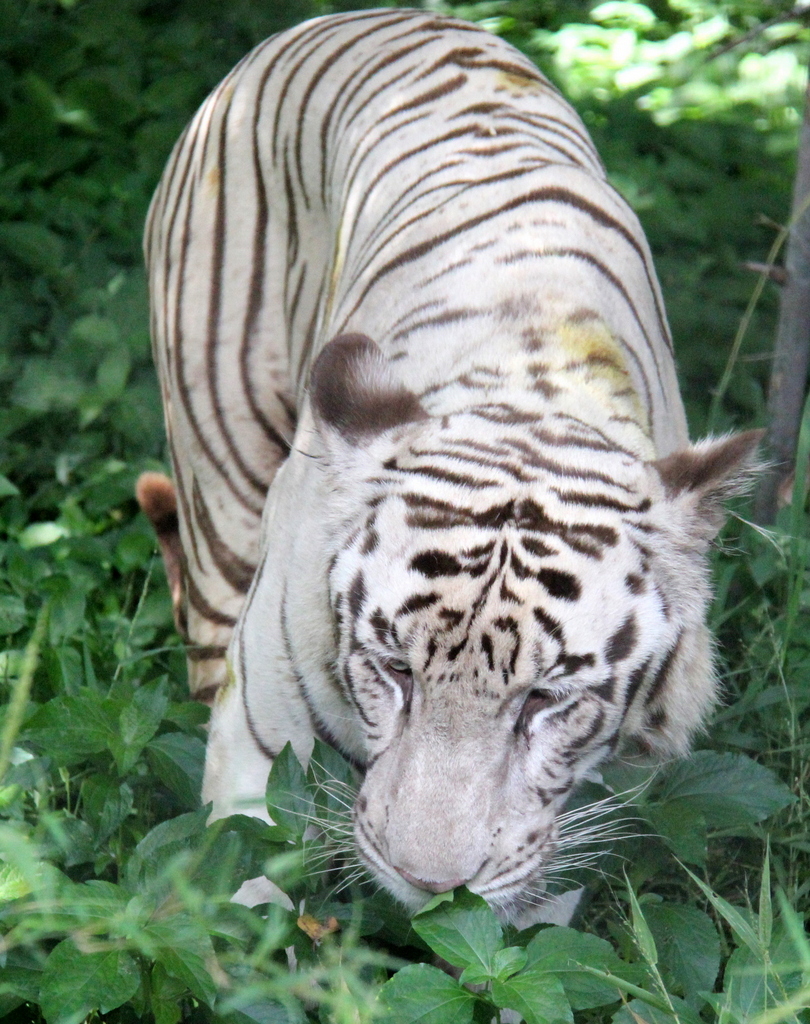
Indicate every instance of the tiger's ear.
{"type": "Point", "coordinates": [354, 392]}
{"type": "Point", "coordinates": [701, 477]}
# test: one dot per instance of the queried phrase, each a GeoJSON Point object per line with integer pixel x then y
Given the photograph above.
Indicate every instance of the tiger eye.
{"type": "Point", "coordinates": [536, 700]}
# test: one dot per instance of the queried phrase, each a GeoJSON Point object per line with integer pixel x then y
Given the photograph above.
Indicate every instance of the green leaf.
{"type": "Point", "coordinates": [70, 728]}
{"type": "Point", "coordinates": [75, 983]}
{"type": "Point", "coordinates": [641, 931]}
{"type": "Point", "coordinates": [683, 826]}
{"type": "Point", "coordinates": [730, 790]}
{"type": "Point", "coordinates": [107, 804]}
{"type": "Point", "coordinates": [13, 884]}
{"type": "Point", "coordinates": [177, 759]}
{"type": "Point", "coordinates": [190, 966]}
{"type": "Point", "coordinates": [7, 488]}
{"type": "Point", "coordinates": [158, 848]}
{"type": "Point", "coordinates": [166, 993]}
{"type": "Point", "coordinates": [138, 722]}
{"type": "Point", "coordinates": [765, 904]}
{"type": "Point", "coordinates": [332, 781]}
{"type": "Point", "coordinates": [732, 916]}
{"type": "Point", "coordinates": [535, 994]}
{"type": "Point", "coordinates": [20, 978]}
{"type": "Point", "coordinates": [688, 946]}
{"type": "Point", "coordinates": [267, 1012]}
{"type": "Point", "coordinates": [13, 615]}
{"type": "Point", "coordinates": [421, 994]}
{"type": "Point", "coordinates": [289, 802]}
{"type": "Point", "coordinates": [34, 245]}
{"type": "Point", "coordinates": [640, 1012]}
{"type": "Point", "coordinates": [563, 951]}
{"type": "Point", "coordinates": [507, 962]}
{"type": "Point", "coordinates": [464, 932]}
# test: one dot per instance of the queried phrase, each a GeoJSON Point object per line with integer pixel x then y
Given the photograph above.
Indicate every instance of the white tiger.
{"type": "Point", "coordinates": [429, 453]}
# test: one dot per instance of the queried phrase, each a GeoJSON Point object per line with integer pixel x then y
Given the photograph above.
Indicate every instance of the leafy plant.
{"type": "Point", "coordinates": [114, 895]}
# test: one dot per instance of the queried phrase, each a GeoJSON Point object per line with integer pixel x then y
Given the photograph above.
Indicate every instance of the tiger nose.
{"type": "Point", "coordinates": [431, 886]}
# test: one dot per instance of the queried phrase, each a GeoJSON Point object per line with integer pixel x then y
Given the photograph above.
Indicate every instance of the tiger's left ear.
{"type": "Point", "coordinates": [704, 475]}
{"type": "Point", "coordinates": [354, 392]}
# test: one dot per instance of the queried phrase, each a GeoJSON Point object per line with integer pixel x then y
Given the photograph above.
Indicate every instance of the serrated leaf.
{"type": "Point", "coordinates": [421, 994]}
{"type": "Point", "coordinates": [70, 728]}
{"type": "Point", "coordinates": [535, 994]}
{"type": "Point", "coordinates": [75, 983]}
{"type": "Point", "coordinates": [688, 946]}
{"type": "Point", "coordinates": [464, 932]}
{"type": "Point", "coordinates": [683, 826]}
{"type": "Point", "coordinates": [563, 951]}
{"type": "Point", "coordinates": [730, 790]}
{"type": "Point", "coordinates": [289, 801]}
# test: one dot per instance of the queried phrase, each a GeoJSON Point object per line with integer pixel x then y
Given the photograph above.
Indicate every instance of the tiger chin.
{"type": "Point", "coordinates": [433, 491]}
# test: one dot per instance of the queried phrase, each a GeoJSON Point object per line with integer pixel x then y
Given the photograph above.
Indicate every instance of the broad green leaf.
{"type": "Point", "coordinates": [112, 373]}
{"type": "Point", "coordinates": [752, 987]}
{"type": "Point", "coordinates": [421, 994]}
{"type": "Point", "coordinates": [535, 994]}
{"type": "Point", "coordinates": [178, 760]}
{"type": "Point", "coordinates": [163, 844]}
{"type": "Point", "coordinates": [730, 790]}
{"type": "Point", "coordinates": [13, 615]}
{"type": "Point", "coordinates": [70, 728]}
{"type": "Point", "coordinates": [138, 722]}
{"type": "Point", "coordinates": [166, 995]}
{"type": "Point", "coordinates": [13, 884]}
{"type": "Point", "coordinates": [107, 803]}
{"type": "Point", "coordinates": [507, 962]}
{"type": "Point", "coordinates": [97, 332]}
{"type": "Point", "coordinates": [20, 977]}
{"type": "Point", "coordinates": [563, 951]}
{"type": "Point", "coordinates": [75, 983]}
{"type": "Point", "coordinates": [34, 245]}
{"type": "Point", "coordinates": [332, 781]}
{"type": "Point", "coordinates": [7, 488]}
{"type": "Point", "coordinates": [184, 948]}
{"type": "Point", "coordinates": [683, 826]}
{"type": "Point", "coordinates": [688, 947]}
{"type": "Point", "coordinates": [289, 802]}
{"type": "Point", "coordinates": [464, 932]}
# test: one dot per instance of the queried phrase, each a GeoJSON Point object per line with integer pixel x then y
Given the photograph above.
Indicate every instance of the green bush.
{"type": "Point", "coordinates": [114, 896]}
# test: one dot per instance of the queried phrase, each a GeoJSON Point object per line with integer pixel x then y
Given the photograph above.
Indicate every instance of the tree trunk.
{"type": "Point", "coordinates": [792, 348]}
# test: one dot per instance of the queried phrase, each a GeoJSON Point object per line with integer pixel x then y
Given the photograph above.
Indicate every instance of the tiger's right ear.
{"type": "Point", "coordinates": [354, 392]}
{"type": "Point", "coordinates": [158, 500]}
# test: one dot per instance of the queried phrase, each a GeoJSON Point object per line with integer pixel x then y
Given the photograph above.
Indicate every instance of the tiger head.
{"type": "Point", "coordinates": [514, 601]}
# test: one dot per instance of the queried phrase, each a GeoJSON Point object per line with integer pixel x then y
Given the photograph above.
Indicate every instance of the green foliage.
{"type": "Point", "coordinates": [114, 895]}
